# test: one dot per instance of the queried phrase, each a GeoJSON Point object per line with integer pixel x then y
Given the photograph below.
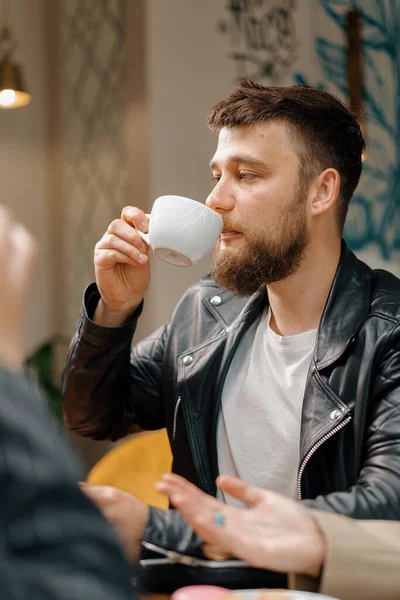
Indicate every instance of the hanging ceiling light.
{"type": "Point", "coordinates": [13, 93]}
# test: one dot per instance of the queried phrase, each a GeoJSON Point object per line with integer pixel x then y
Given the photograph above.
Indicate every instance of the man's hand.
{"type": "Point", "coordinates": [18, 252]}
{"type": "Point", "coordinates": [127, 515]}
{"type": "Point", "coordinates": [274, 533]}
{"type": "Point", "coordinates": [122, 268]}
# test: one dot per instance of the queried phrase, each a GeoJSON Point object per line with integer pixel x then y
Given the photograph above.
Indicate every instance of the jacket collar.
{"type": "Point", "coordinates": [345, 311]}
{"type": "Point", "coordinates": [346, 308]}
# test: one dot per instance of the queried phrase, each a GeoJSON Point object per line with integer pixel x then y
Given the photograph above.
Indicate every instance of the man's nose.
{"type": "Point", "coordinates": [220, 199]}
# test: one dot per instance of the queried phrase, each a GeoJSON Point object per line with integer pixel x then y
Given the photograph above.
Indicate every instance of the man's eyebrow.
{"type": "Point", "coordinates": [243, 158]}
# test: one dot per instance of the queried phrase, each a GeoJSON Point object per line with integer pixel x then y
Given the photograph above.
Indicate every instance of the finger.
{"type": "Point", "coordinates": [209, 532]}
{"type": "Point", "coordinates": [191, 509]}
{"type": "Point", "coordinates": [214, 552]}
{"type": "Point", "coordinates": [231, 542]}
{"type": "Point", "coordinates": [174, 484]}
{"type": "Point", "coordinates": [191, 503]}
{"type": "Point", "coordinates": [96, 488]}
{"type": "Point", "coordinates": [194, 504]}
{"type": "Point", "coordinates": [126, 232]}
{"type": "Point", "coordinates": [199, 509]}
{"type": "Point", "coordinates": [98, 500]}
{"type": "Point", "coordinates": [112, 242]}
{"type": "Point", "coordinates": [226, 541]}
{"type": "Point", "coordinates": [178, 483]}
{"type": "Point", "coordinates": [25, 252]}
{"type": "Point", "coordinates": [246, 493]}
{"type": "Point", "coordinates": [106, 259]}
{"type": "Point", "coordinates": [185, 493]}
{"type": "Point", "coordinates": [98, 493]}
{"type": "Point", "coordinates": [93, 496]}
{"type": "Point", "coordinates": [135, 216]}
{"type": "Point", "coordinates": [90, 491]}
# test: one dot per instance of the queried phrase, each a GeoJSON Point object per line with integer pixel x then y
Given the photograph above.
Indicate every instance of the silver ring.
{"type": "Point", "coordinates": [219, 518]}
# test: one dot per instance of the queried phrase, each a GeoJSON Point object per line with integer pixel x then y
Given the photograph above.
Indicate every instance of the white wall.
{"type": "Point", "coordinates": [24, 158]}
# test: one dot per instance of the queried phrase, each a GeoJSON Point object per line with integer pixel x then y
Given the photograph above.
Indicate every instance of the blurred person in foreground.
{"type": "Point", "coordinates": [283, 366]}
{"type": "Point", "coordinates": [322, 552]}
{"type": "Point", "coordinates": [54, 543]}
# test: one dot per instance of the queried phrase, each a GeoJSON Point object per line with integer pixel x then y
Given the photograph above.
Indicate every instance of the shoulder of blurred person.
{"type": "Point", "coordinates": [54, 542]}
{"type": "Point", "coordinates": [362, 559]}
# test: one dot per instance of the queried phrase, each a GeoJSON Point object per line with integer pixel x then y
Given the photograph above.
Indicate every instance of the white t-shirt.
{"type": "Point", "coordinates": [258, 433]}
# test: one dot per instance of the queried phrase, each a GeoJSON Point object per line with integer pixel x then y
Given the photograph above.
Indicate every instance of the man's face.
{"type": "Point", "coordinates": [264, 209]}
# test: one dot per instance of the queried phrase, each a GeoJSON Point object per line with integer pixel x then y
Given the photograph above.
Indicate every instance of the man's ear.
{"type": "Point", "coordinates": [326, 191]}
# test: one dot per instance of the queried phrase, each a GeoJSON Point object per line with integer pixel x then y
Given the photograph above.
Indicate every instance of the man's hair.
{"type": "Point", "coordinates": [326, 132]}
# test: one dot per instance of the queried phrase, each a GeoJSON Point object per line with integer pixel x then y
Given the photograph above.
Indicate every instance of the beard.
{"type": "Point", "coordinates": [261, 261]}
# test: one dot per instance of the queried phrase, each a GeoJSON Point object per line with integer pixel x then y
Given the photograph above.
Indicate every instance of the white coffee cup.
{"type": "Point", "coordinates": [181, 230]}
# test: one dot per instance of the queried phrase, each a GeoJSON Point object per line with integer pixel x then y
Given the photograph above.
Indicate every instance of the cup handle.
{"type": "Point", "coordinates": [145, 236]}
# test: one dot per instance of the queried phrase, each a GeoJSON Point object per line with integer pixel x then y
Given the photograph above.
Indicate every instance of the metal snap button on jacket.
{"type": "Point", "coordinates": [187, 360]}
{"type": "Point", "coordinates": [216, 300]}
{"type": "Point", "coordinates": [335, 414]}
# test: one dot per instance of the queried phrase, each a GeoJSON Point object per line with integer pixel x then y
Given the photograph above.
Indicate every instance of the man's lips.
{"type": "Point", "coordinates": [226, 232]}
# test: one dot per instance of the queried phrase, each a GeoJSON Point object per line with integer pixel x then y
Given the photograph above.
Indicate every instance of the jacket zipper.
{"type": "Point", "coordinates": [198, 463]}
{"type": "Point", "coordinates": [176, 410]}
{"type": "Point", "coordinates": [193, 443]}
{"type": "Point", "coordinates": [314, 449]}
{"type": "Point", "coordinates": [172, 557]}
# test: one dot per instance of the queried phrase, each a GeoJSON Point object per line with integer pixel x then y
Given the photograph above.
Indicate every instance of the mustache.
{"type": "Point", "coordinates": [230, 226]}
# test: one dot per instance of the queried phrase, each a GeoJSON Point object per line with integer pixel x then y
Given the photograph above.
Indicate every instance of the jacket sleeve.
{"type": "Point", "coordinates": [362, 559]}
{"type": "Point", "coordinates": [54, 543]}
{"type": "Point", "coordinates": [168, 530]}
{"type": "Point", "coordinates": [376, 494]}
{"type": "Point", "coordinates": [106, 388]}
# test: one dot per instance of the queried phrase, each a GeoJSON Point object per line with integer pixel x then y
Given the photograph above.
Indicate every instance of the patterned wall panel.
{"type": "Point", "coordinates": [95, 182]}
{"type": "Point", "coordinates": [373, 221]}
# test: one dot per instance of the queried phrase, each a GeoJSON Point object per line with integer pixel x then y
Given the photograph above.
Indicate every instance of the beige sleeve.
{"type": "Point", "coordinates": [362, 559]}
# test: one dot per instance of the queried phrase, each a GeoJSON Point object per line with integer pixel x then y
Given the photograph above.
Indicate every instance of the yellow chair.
{"type": "Point", "coordinates": [136, 465]}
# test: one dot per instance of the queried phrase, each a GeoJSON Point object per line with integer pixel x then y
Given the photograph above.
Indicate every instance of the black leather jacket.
{"type": "Point", "coordinates": [350, 430]}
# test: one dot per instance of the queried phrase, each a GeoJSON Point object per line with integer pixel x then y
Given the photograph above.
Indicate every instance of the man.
{"type": "Point", "coordinates": [323, 552]}
{"type": "Point", "coordinates": [283, 368]}
{"type": "Point", "coordinates": [54, 544]}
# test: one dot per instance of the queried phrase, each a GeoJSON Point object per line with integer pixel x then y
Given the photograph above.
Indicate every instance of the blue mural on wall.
{"type": "Point", "coordinates": [375, 208]}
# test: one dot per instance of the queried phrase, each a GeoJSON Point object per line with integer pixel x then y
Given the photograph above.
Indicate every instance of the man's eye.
{"type": "Point", "coordinates": [215, 179]}
{"type": "Point", "coordinates": [246, 176]}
